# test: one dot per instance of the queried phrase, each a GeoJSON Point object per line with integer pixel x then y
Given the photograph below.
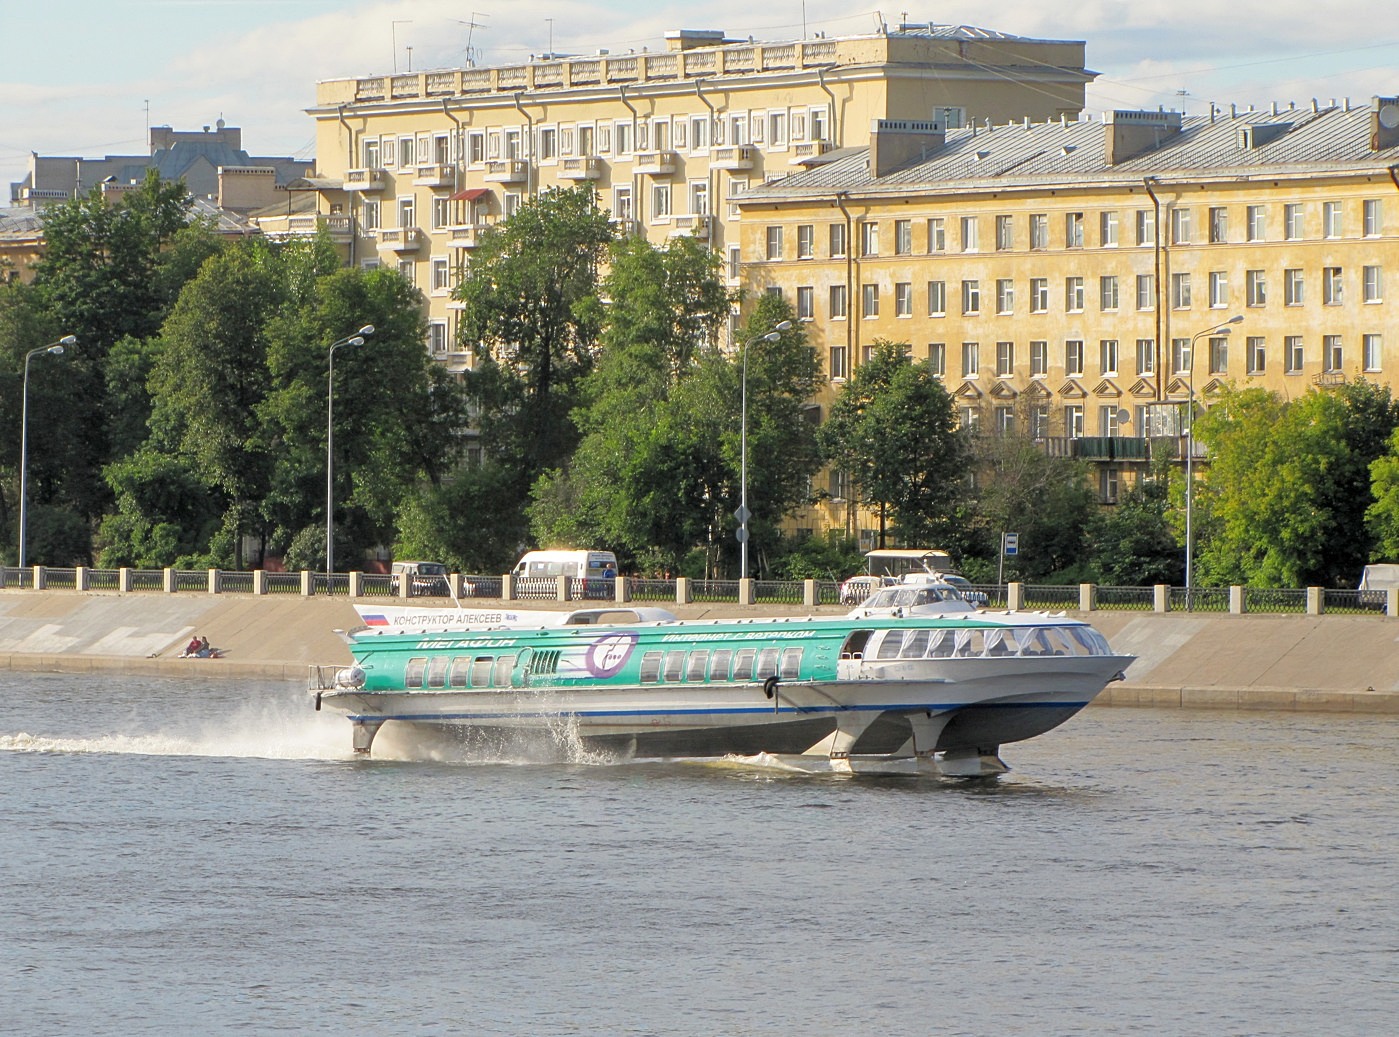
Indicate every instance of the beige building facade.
{"type": "Point", "coordinates": [413, 166]}
{"type": "Point", "coordinates": [1079, 280]}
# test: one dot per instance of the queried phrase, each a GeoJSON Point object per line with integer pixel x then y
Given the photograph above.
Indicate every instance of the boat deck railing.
{"type": "Point", "coordinates": [657, 590]}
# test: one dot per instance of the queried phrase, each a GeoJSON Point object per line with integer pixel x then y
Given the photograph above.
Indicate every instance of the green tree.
{"type": "Point", "coordinates": [1283, 500]}
{"type": "Point", "coordinates": [893, 428]}
{"type": "Point", "coordinates": [1135, 544]}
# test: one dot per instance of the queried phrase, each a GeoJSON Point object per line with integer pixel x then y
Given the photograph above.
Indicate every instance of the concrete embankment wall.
{"type": "Point", "coordinates": [1192, 660]}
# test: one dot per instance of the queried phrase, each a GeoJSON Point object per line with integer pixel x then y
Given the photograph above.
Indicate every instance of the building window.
{"type": "Point", "coordinates": [1219, 289]}
{"type": "Point", "coordinates": [699, 197]}
{"type": "Point", "coordinates": [1180, 356]}
{"type": "Point", "coordinates": [1107, 229]}
{"type": "Point", "coordinates": [1256, 222]}
{"type": "Point", "coordinates": [1005, 295]}
{"type": "Point", "coordinates": [1180, 226]}
{"type": "Point", "coordinates": [1039, 358]}
{"type": "Point", "coordinates": [1373, 217]}
{"type": "Point", "coordinates": [903, 237]}
{"type": "Point", "coordinates": [1292, 225]}
{"type": "Point", "coordinates": [1146, 356]}
{"type": "Point", "coordinates": [408, 270]}
{"type": "Point", "coordinates": [836, 368]}
{"type": "Point", "coordinates": [970, 241]}
{"type": "Point", "coordinates": [1039, 231]}
{"type": "Point", "coordinates": [839, 302]}
{"type": "Point", "coordinates": [1331, 219]}
{"type": "Point", "coordinates": [1005, 233]}
{"type": "Point", "coordinates": [1180, 291]}
{"type": "Point", "coordinates": [1331, 354]}
{"type": "Point", "coordinates": [1372, 285]}
{"type": "Point", "coordinates": [1108, 478]}
{"type": "Point", "coordinates": [1292, 288]}
{"type": "Point", "coordinates": [1039, 421]}
{"type": "Point", "coordinates": [838, 240]}
{"type": "Point", "coordinates": [660, 201]}
{"type": "Point", "coordinates": [1255, 288]}
{"type": "Point", "coordinates": [971, 366]}
{"type": "Point", "coordinates": [1039, 295]}
{"type": "Point", "coordinates": [937, 298]}
{"type": "Point", "coordinates": [1331, 289]}
{"type": "Point", "coordinates": [806, 239]}
{"type": "Point", "coordinates": [1107, 419]}
{"type": "Point", "coordinates": [1108, 356]}
{"type": "Point", "coordinates": [371, 215]}
{"type": "Point", "coordinates": [1005, 420]}
{"type": "Point", "coordinates": [937, 234]}
{"type": "Point", "coordinates": [1146, 291]}
{"type": "Point", "coordinates": [441, 213]}
{"type": "Point", "coordinates": [735, 262]}
{"type": "Point", "coordinates": [1107, 292]}
{"type": "Point", "coordinates": [437, 337]}
{"type": "Point", "coordinates": [1219, 354]}
{"type": "Point", "coordinates": [1146, 227]}
{"type": "Point", "coordinates": [1073, 421]}
{"type": "Point", "coordinates": [1073, 358]}
{"type": "Point", "coordinates": [971, 297]}
{"type": "Point", "coordinates": [1005, 359]}
{"type": "Point", "coordinates": [774, 243]}
{"type": "Point", "coordinates": [441, 274]}
{"type": "Point", "coordinates": [869, 239]}
{"type": "Point", "coordinates": [1073, 294]}
{"type": "Point", "coordinates": [969, 416]}
{"type": "Point", "coordinates": [1292, 354]}
{"type": "Point", "coordinates": [1073, 230]}
{"type": "Point", "coordinates": [903, 299]}
{"type": "Point", "coordinates": [370, 151]}
{"type": "Point", "coordinates": [937, 358]}
{"type": "Point", "coordinates": [406, 215]}
{"type": "Point", "coordinates": [1256, 354]}
{"type": "Point", "coordinates": [1374, 346]}
{"type": "Point", "coordinates": [869, 301]}
{"type": "Point", "coordinates": [1219, 225]}
{"type": "Point", "coordinates": [806, 302]}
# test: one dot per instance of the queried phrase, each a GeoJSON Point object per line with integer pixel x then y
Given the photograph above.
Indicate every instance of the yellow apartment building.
{"type": "Point", "coordinates": [1061, 275]}
{"type": "Point", "coordinates": [412, 166]}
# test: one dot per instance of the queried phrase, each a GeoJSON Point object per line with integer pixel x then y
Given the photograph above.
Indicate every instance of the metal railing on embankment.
{"type": "Point", "coordinates": [787, 593]}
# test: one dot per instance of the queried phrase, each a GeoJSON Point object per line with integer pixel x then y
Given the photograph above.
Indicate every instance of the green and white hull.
{"type": "Point", "coordinates": [947, 688]}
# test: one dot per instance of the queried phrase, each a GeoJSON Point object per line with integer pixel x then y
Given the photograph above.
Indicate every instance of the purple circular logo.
{"type": "Point", "coordinates": [607, 655]}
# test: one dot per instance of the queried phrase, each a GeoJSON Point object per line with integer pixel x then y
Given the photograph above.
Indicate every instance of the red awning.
{"type": "Point", "coordinates": [471, 194]}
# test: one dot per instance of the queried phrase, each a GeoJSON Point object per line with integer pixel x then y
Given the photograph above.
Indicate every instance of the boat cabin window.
{"type": "Point", "coordinates": [650, 667]}
{"type": "Point", "coordinates": [719, 664]}
{"type": "Point", "coordinates": [743, 664]}
{"type": "Point", "coordinates": [854, 647]}
{"type": "Point", "coordinates": [437, 672]}
{"type": "Point", "coordinates": [502, 672]}
{"type": "Point", "coordinates": [674, 666]}
{"type": "Point", "coordinates": [791, 663]}
{"type": "Point", "coordinates": [456, 672]}
{"type": "Point", "coordinates": [915, 644]}
{"type": "Point", "coordinates": [941, 644]}
{"type": "Point", "coordinates": [699, 662]}
{"type": "Point", "coordinates": [889, 645]}
{"type": "Point", "coordinates": [413, 672]}
{"type": "Point", "coordinates": [767, 663]}
{"type": "Point", "coordinates": [481, 668]}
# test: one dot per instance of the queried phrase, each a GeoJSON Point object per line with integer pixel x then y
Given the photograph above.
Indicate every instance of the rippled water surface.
{"type": "Point", "coordinates": [185, 857]}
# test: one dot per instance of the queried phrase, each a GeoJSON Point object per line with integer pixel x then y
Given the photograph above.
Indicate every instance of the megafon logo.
{"type": "Point", "coordinates": [607, 655]}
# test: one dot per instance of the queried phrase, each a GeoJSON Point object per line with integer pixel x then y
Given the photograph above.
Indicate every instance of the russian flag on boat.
{"type": "Point", "coordinates": [374, 620]}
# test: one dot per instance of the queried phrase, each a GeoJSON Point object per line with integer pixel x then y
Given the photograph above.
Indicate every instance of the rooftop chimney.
{"type": "Point", "coordinates": [689, 39]}
{"type": "Point", "coordinates": [1128, 134]}
{"type": "Point", "coordinates": [899, 142]}
{"type": "Point", "coordinates": [1384, 123]}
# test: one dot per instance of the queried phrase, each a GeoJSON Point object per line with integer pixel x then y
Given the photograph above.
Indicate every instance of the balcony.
{"type": "Point", "coordinates": [656, 163]}
{"type": "Point", "coordinates": [691, 227]}
{"type": "Point", "coordinates": [400, 239]}
{"type": "Point", "coordinates": [589, 168]}
{"type": "Point", "coordinates": [736, 156]}
{"type": "Point", "coordinates": [434, 176]}
{"type": "Point", "coordinates": [807, 150]}
{"type": "Point", "coordinates": [625, 228]}
{"type": "Point", "coordinates": [364, 180]}
{"type": "Point", "coordinates": [341, 228]}
{"type": "Point", "coordinates": [464, 235]}
{"type": "Point", "coordinates": [507, 171]}
{"type": "Point", "coordinates": [1110, 448]}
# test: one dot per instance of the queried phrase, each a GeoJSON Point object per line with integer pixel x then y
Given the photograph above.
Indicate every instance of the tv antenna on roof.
{"type": "Point", "coordinates": [471, 26]}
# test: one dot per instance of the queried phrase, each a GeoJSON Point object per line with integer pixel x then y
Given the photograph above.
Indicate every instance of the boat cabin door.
{"type": "Point", "coordinates": [519, 675]}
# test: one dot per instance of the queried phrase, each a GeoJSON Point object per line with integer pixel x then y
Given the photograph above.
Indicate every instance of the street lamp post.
{"type": "Point", "coordinates": [1218, 329]}
{"type": "Point", "coordinates": [743, 514]}
{"type": "Point", "coordinates": [356, 339]}
{"type": "Point", "coordinates": [56, 348]}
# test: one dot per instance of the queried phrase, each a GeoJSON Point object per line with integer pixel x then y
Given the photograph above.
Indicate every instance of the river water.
{"type": "Point", "coordinates": [188, 857]}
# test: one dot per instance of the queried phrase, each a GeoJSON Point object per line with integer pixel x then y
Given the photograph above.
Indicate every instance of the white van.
{"type": "Point", "coordinates": [540, 570]}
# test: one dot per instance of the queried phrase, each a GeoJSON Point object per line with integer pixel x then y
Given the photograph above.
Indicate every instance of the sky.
{"type": "Point", "coordinates": [87, 77]}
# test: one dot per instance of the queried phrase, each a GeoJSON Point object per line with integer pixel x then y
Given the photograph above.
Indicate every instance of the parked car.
{"type": "Point", "coordinates": [972, 596]}
{"type": "Point", "coordinates": [425, 579]}
{"type": "Point", "coordinates": [858, 588]}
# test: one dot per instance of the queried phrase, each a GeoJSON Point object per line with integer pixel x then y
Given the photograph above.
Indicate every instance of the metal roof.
{"type": "Point", "coordinates": [1330, 139]}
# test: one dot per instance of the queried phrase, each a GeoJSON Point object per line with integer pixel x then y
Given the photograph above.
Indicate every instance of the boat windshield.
{"type": "Point", "coordinates": [907, 596]}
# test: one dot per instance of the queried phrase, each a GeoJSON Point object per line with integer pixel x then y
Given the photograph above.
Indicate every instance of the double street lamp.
{"type": "Point", "coordinates": [1222, 328]}
{"type": "Point", "coordinates": [56, 348]}
{"type": "Point", "coordinates": [357, 339]}
{"type": "Point", "coordinates": [743, 514]}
